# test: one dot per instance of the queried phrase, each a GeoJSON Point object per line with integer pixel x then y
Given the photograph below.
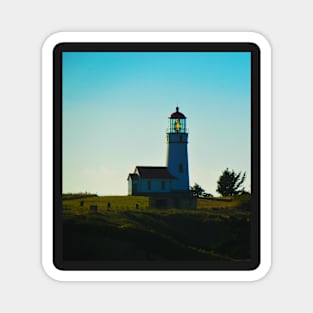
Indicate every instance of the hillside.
{"type": "Point", "coordinates": [219, 229]}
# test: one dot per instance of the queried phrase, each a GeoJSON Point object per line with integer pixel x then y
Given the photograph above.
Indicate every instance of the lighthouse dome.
{"type": "Point", "coordinates": [177, 114]}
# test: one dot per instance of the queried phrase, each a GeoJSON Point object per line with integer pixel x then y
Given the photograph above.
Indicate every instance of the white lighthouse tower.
{"type": "Point", "coordinates": [177, 154]}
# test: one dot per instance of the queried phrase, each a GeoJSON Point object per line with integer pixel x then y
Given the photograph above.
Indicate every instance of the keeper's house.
{"type": "Point", "coordinates": [150, 179]}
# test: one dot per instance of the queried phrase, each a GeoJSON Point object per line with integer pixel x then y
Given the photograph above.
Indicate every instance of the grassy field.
{"type": "Point", "coordinates": [219, 229]}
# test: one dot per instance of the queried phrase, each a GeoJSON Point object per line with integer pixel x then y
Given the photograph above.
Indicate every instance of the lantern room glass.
{"type": "Point", "coordinates": [177, 125]}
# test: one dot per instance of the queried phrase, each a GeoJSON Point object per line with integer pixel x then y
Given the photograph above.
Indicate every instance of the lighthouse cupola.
{"type": "Point", "coordinates": [177, 122]}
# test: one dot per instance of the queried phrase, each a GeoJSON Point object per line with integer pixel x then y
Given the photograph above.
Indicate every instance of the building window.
{"type": "Point", "coordinates": [180, 168]}
{"type": "Point", "coordinates": [149, 185]}
{"type": "Point", "coordinates": [162, 185]}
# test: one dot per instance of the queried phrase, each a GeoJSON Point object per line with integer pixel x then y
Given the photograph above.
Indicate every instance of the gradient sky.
{"type": "Point", "coordinates": [116, 107]}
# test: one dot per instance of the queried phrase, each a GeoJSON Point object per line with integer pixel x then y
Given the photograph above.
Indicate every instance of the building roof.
{"type": "Point", "coordinates": [133, 176]}
{"type": "Point", "coordinates": [177, 114]}
{"type": "Point", "coordinates": [153, 172]}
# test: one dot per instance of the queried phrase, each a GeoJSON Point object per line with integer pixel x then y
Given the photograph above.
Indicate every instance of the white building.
{"type": "Point", "coordinates": [150, 179]}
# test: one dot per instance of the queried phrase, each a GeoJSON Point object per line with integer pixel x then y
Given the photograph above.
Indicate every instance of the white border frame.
{"type": "Point", "coordinates": [47, 157]}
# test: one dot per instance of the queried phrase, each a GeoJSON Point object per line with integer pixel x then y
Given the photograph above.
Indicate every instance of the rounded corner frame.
{"type": "Point", "coordinates": [51, 43]}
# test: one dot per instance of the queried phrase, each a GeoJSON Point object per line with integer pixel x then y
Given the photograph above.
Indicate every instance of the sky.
{"type": "Point", "coordinates": [116, 107]}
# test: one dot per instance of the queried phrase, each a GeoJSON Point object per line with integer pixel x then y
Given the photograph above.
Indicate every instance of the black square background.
{"type": "Point", "coordinates": [57, 156]}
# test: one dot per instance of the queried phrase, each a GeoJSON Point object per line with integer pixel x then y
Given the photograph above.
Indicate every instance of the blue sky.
{"type": "Point", "coordinates": [116, 107]}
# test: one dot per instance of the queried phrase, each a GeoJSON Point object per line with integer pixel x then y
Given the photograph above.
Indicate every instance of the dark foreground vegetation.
{"type": "Point", "coordinates": [124, 228]}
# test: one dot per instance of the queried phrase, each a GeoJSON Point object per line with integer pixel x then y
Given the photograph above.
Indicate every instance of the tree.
{"type": "Point", "coordinates": [230, 182]}
{"type": "Point", "coordinates": [196, 190]}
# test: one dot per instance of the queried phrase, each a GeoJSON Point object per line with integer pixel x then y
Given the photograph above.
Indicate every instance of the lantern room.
{"type": "Point", "coordinates": [177, 122]}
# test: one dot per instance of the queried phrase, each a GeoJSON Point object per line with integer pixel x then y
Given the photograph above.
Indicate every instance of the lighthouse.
{"type": "Point", "coordinates": [177, 153]}
{"type": "Point", "coordinates": [167, 186]}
